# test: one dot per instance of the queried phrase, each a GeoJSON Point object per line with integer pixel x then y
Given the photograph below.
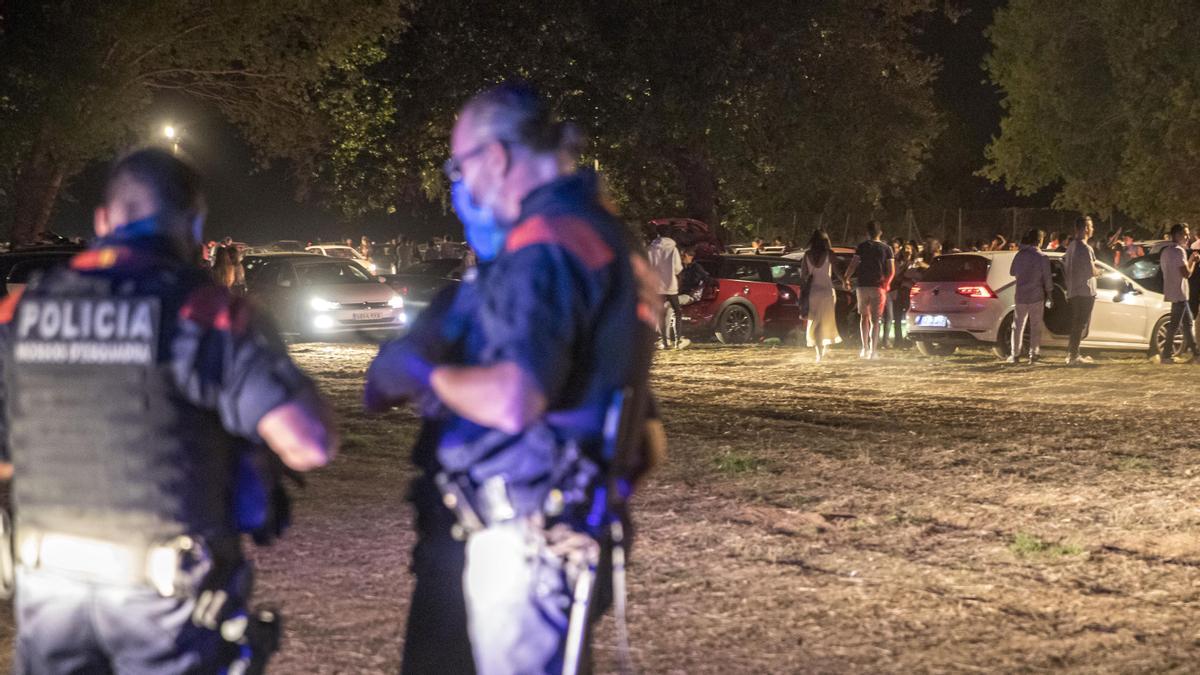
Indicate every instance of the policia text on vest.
{"type": "Point", "coordinates": [87, 331]}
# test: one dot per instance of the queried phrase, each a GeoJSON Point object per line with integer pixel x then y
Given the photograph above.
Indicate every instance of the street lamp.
{"type": "Point", "coordinates": [170, 133]}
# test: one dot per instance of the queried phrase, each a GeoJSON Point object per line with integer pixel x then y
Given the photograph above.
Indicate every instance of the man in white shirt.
{"type": "Point", "coordinates": [666, 263]}
{"type": "Point", "coordinates": [1177, 267]}
{"type": "Point", "coordinates": [1080, 270]}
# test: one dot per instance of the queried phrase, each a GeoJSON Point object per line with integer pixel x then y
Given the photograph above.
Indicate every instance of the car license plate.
{"type": "Point", "coordinates": [369, 316]}
{"type": "Point", "coordinates": [933, 320]}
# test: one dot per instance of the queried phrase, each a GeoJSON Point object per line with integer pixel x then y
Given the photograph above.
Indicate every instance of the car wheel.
{"type": "Point", "coordinates": [735, 325]}
{"type": "Point", "coordinates": [1159, 341]}
{"type": "Point", "coordinates": [928, 348]}
{"type": "Point", "coordinates": [1003, 346]}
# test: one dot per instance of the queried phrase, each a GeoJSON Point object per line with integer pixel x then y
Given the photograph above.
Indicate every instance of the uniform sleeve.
{"type": "Point", "coordinates": [228, 357]}
{"type": "Point", "coordinates": [534, 312]}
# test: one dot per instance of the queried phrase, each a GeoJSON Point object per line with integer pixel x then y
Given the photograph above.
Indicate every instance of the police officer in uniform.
{"type": "Point", "coordinates": [515, 379]}
{"type": "Point", "coordinates": [130, 382]}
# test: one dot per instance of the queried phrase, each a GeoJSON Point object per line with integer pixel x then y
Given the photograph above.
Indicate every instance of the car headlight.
{"type": "Point", "coordinates": [396, 302]}
{"type": "Point", "coordinates": [371, 266]}
{"type": "Point", "coordinates": [323, 305]}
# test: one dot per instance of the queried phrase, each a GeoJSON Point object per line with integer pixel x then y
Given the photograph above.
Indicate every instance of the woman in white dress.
{"type": "Point", "coordinates": [817, 274]}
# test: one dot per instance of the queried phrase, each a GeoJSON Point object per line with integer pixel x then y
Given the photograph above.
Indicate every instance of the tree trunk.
{"type": "Point", "coordinates": [38, 180]}
{"type": "Point", "coordinates": [699, 187]}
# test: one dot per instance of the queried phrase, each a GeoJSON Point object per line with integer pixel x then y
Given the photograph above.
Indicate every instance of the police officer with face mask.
{"type": "Point", "coordinates": [515, 373]}
{"type": "Point", "coordinates": [130, 382]}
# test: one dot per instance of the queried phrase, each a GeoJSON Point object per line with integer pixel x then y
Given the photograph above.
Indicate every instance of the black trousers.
{"type": "Point", "coordinates": [436, 640]}
{"type": "Point", "coordinates": [1081, 319]}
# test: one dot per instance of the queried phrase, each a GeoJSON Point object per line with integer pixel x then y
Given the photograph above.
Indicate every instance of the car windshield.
{"type": "Point", "coordinates": [322, 274]}
{"type": "Point", "coordinates": [958, 268]}
{"type": "Point", "coordinates": [342, 252]}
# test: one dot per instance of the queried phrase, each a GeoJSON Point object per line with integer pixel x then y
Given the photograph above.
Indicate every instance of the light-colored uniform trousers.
{"type": "Point", "coordinates": [1030, 312]}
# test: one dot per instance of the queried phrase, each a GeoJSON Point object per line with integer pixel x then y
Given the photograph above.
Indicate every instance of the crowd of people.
{"type": "Point", "coordinates": [884, 273]}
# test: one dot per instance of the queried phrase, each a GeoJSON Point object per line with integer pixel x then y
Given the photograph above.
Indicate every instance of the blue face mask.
{"type": "Point", "coordinates": [484, 232]}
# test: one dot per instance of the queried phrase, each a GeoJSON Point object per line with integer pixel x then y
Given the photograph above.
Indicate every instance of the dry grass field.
{"type": "Point", "coordinates": [903, 515]}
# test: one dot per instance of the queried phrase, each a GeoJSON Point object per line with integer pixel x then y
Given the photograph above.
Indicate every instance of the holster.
{"type": "Point", "coordinates": [252, 635]}
{"type": "Point", "coordinates": [256, 635]}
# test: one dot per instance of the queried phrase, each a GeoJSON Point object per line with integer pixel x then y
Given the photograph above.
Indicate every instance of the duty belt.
{"type": "Point", "coordinates": [163, 566]}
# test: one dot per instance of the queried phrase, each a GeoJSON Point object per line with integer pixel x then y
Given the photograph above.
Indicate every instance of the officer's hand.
{"type": "Point", "coordinates": [399, 373]}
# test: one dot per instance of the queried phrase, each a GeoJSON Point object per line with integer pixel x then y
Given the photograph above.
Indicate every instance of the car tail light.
{"type": "Point", "coordinates": [912, 293]}
{"type": "Point", "coordinates": [975, 291]}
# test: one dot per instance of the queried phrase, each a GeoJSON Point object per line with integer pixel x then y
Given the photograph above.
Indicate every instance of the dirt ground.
{"type": "Point", "coordinates": [901, 515]}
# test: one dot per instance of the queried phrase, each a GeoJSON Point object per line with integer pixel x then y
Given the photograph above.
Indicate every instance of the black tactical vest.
{"type": "Point", "coordinates": [102, 441]}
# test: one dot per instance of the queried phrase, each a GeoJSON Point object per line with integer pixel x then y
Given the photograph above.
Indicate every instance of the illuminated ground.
{"type": "Point", "coordinates": [902, 515]}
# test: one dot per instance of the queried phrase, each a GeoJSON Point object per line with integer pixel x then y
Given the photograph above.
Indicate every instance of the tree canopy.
{"type": "Point", "coordinates": [1102, 103]}
{"type": "Point", "coordinates": [78, 79]}
{"type": "Point", "coordinates": [738, 112]}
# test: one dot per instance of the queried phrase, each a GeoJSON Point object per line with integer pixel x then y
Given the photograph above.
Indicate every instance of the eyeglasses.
{"type": "Point", "coordinates": [453, 165]}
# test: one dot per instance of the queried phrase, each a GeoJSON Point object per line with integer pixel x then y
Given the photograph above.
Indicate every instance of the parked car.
{"type": "Point", "coordinates": [1146, 270]}
{"type": "Point", "coordinates": [419, 282]}
{"type": "Point", "coordinates": [968, 299]}
{"type": "Point", "coordinates": [345, 253]}
{"type": "Point", "coordinates": [314, 297]}
{"type": "Point", "coordinates": [287, 246]}
{"type": "Point", "coordinates": [751, 297]}
{"type": "Point", "coordinates": [17, 266]}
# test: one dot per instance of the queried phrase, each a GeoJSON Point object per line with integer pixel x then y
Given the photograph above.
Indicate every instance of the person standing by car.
{"type": "Point", "coordinates": [1080, 271]}
{"type": "Point", "coordinates": [666, 263]}
{"type": "Point", "coordinates": [222, 268]}
{"type": "Point", "coordinates": [872, 268]}
{"type": "Point", "coordinates": [817, 276]}
{"type": "Point", "coordinates": [693, 279]}
{"type": "Point", "coordinates": [405, 253]}
{"type": "Point", "coordinates": [1177, 267]}
{"type": "Point", "coordinates": [130, 558]}
{"type": "Point", "coordinates": [1031, 269]}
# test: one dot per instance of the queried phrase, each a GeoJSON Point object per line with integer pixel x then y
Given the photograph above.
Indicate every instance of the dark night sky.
{"type": "Point", "coordinates": [260, 206]}
{"type": "Point", "coordinates": [245, 202]}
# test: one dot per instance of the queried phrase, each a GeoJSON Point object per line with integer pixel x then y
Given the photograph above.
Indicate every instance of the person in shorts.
{"type": "Point", "coordinates": [872, 269]}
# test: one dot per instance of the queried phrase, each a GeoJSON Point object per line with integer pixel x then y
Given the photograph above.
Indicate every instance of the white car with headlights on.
{"type": "Point", "coordinates": [345, 253]}
{"type": "Point", "coordinates": [968, 299]}
{"type": "Point", "coordinates": [314, 297]}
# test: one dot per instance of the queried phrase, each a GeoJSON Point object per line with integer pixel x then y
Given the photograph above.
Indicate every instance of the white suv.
{"type": "Point", "coordinates": [968, 299]}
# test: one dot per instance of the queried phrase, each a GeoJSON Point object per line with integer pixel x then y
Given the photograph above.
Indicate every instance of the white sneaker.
{"type": "Point", "coordinates": [875, 356]}
{"type": "Point", "coordinates": [1011, 359]}
{"type": "Point", "coordinates": [1072, 360]}
{"type": "Point", "coordinates": [683, 343]}
{"type": "Point", "coordinates": [862, 353]}
{"type": "Point", "coordinates": [1086, 360]}
{"type": "Point", "coordinates": [817, 358]}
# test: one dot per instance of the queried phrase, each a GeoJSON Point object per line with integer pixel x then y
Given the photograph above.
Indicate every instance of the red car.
{"type": "Point", "coordinates": [751, 297]}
